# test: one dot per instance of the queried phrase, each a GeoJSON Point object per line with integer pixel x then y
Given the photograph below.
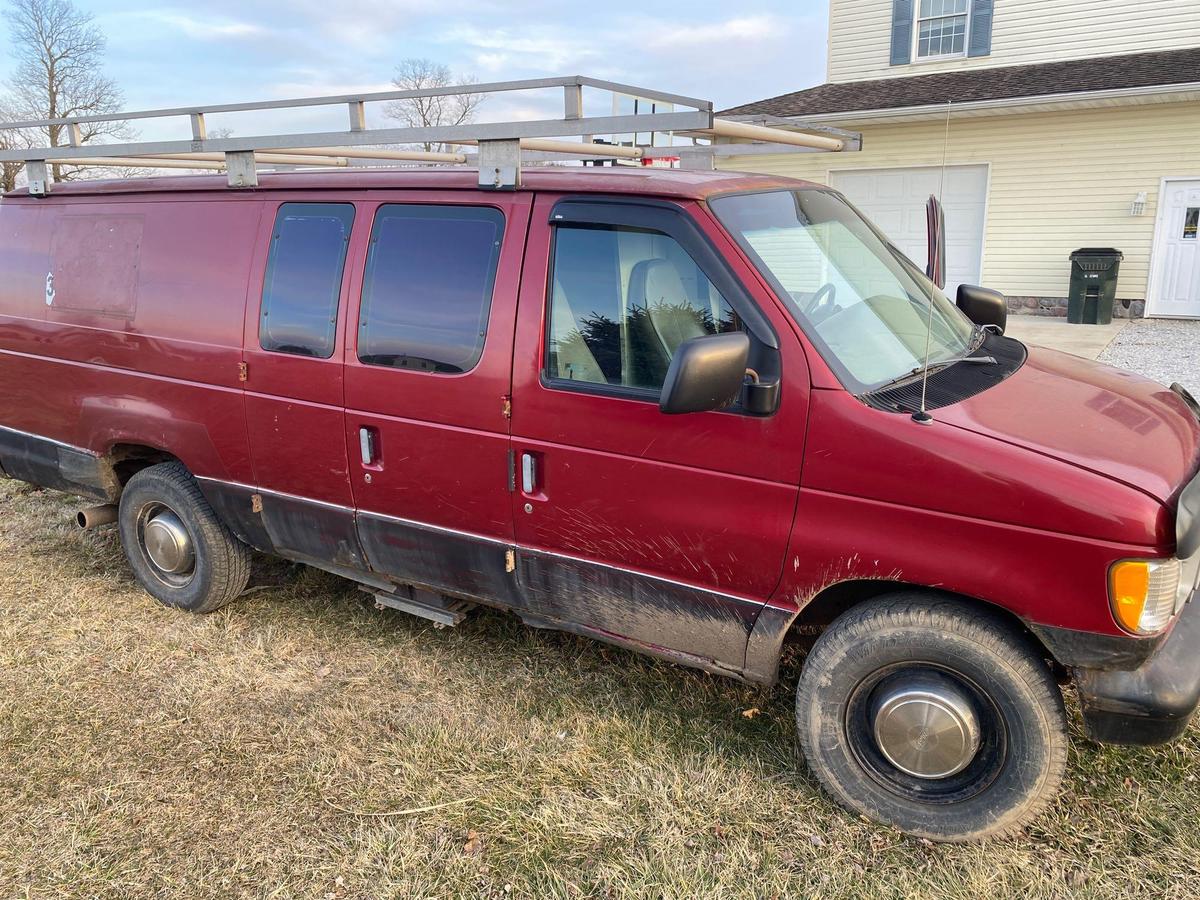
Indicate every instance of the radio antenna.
{"type": "Point", "coordinates": [935, 220]}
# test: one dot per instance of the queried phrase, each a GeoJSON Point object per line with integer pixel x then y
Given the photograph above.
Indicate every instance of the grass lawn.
{"type": "Point", "coordinates": [302, 743]}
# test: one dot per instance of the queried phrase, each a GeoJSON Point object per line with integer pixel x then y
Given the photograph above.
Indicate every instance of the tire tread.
{"type": "Point", "coordinates": [228, 556]}
{"type": "Point", "coordinates": [984, 627]}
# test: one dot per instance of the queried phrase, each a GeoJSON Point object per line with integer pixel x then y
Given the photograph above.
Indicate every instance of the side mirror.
{"type": "Point", "coordinates": [706, 373]}
{"type": "Point", "coordinates": [983, 306]}
{"type": "Point", "coordinates": [935, 222]}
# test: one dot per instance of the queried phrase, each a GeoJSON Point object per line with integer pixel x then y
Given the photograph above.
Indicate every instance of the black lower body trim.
{"type": "Point", "coordinates": [1153, 703]}
{"type": "Point", "coordinates": [438, 560]}
{"type": "Point", "coordinates": [49, 464]}
{"type": "Point", "coordinates": [664, 618]}
{"type": "Point", "coordinates": [290, 527]}
{"type": "Point", "coordinates": [653, 613]}
{"type": "Point", "coordinates": [1085, 650]}
{"type": "Point", "coordinates": [675, 656]}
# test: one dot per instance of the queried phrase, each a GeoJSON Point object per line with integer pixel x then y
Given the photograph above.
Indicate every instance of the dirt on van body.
{"type": "Point", "coordinates": [300, 743]}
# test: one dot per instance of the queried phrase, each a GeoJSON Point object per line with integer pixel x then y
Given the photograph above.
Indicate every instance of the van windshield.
{"type": "Point", "coordinates": [863, 303]}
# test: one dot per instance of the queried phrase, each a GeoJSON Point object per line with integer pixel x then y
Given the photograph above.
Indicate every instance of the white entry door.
{"type": "Point", "coordinates": [894, 199]}
{"type": "Point", "coordinates": [1176, 277]}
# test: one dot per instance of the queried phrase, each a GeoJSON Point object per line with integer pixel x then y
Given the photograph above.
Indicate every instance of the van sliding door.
{"type": "Point", "coordinates": [294, 336]}
{"type": "Point", "coordinates": [428, 374]}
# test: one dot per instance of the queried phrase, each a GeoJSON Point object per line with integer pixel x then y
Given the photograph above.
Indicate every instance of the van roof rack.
{"type": "Point", "coordinates": [498, 148]}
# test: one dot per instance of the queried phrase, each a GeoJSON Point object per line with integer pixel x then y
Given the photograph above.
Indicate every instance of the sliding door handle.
{"type": "Point", "coordinates": [529, 473]}
{"type": "Point", "coordinates": [368, 445]}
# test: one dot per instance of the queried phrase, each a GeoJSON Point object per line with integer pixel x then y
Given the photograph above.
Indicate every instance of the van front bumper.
{"type": "Point", "coordinates": [1153, 703]}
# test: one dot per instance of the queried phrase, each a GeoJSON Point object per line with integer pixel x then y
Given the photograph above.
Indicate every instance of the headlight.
{"type": "Point", "coordinates": [1143, 593]}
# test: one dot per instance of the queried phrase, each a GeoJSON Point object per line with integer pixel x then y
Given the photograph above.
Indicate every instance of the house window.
{"type": "Point", "coordinates": [941, 28]}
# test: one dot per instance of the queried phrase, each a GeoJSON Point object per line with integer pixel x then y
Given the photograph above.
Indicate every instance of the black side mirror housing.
{"type": "Point", "coordinates": [706, 373]}
{"type": "Point", "coordinates": [983, 306]}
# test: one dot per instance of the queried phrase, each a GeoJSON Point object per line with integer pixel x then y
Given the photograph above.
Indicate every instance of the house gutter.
{"type": "Point", "coordinates": [967, 106]}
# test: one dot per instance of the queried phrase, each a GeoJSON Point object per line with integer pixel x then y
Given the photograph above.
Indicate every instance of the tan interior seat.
{"type": "Point", "coordinates": [655, 285]}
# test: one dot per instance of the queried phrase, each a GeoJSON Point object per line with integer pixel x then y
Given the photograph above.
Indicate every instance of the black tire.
{"type": "Point", "coordinates": [220, 563]}
{"type": "Point", "coordinates": [874, 653]}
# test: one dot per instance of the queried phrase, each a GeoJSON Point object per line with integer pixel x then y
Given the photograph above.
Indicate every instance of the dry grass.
{"type": "Point", "coordinates": [272, 749]}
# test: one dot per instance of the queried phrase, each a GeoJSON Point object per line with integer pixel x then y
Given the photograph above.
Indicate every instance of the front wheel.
{"type": "Point", "coordinates": [933, 717]}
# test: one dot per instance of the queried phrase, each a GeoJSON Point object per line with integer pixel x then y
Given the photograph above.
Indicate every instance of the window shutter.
{"type": "Point", "coordinates": [980, 43]}
{"type": "Point", "coordinates": [902, 26]}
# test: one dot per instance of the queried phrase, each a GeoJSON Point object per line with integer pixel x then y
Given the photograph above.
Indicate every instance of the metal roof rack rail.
{"type": "Point", "coordinates": [499, 147]}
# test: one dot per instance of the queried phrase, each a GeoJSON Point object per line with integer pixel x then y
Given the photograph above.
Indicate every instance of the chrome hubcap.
{"type": "Point", "coordinates": [925, 726]}
{"type": "Point", "coordinates": [168, 543]}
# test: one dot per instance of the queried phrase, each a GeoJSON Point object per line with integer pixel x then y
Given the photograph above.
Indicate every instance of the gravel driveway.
{"type": "Point", "coordinates": [1166, 350]}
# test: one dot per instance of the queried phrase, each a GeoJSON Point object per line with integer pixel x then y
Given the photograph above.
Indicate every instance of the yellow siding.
{"type": "Point", "coordinates": [1023, 32]}
{"type": "Point", "coordinates": [1059, 181]}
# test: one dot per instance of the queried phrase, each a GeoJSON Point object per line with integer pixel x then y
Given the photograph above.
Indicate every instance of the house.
{"type": "Point", "coordinates": [1061, 125]}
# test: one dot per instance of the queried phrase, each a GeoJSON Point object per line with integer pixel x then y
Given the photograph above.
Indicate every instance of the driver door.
{"type": "Point", "coordinates": [669, 531]}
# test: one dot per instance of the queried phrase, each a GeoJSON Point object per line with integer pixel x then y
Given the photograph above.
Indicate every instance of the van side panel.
{"type": "Point", "coordinates": [295, 421]}
{"type": "Point", "coordinates": [122, 324]}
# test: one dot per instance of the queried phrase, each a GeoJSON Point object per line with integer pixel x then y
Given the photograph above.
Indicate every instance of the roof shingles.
{"type": "Point", "coordinates": [1001, 83]}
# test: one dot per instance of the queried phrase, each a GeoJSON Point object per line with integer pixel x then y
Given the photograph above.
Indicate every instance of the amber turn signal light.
{"type": "Point", "coordinates": [1143, 593]}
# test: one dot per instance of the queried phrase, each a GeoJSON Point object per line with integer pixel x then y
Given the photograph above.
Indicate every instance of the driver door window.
{"type": "Point", "coordinates": [622, 300]}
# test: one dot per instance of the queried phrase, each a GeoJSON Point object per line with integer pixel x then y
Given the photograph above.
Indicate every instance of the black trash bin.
{"type": "Point", "coordinates": [1093, 285]}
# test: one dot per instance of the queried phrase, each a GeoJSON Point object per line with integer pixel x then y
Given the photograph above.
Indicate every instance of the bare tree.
{"type": "Point", "coordinates": [11, 139]}
{"type": "Point", "coordinates": [59, 51]}
{"type": "Point", "coordinates": [425, 112]}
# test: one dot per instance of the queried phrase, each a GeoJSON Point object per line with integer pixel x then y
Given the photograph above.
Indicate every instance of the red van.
{"type": "Point", "coordinates": [669, 410]}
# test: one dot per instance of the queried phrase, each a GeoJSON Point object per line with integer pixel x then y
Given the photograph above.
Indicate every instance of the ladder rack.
{"type": "Point", "coordinates": [498, 148]}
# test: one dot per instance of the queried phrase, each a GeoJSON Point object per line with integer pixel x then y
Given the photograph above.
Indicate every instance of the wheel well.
{"type": "Point", "coordinates": [126, 460]}
{"type": "Point", "coordinates": [836, 599]}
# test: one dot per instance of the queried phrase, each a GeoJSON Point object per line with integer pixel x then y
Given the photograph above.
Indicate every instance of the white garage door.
{"type": "Point", "coordinates": [894, 199]}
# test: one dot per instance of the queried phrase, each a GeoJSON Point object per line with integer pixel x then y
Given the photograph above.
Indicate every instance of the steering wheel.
{"type": "Point", "coordinates": [826, 295]}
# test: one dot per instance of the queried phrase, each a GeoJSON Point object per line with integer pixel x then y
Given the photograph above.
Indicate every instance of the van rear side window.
{"type": "Point", "coordinates": [304, 278]}
{"type": "Point", "coordinates": [428, 286]}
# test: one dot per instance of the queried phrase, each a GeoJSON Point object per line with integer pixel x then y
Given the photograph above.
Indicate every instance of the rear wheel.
{"type": "Point", "coordinates": [182, 554]}
{"type": "Point", "coordinates": [936, 718]}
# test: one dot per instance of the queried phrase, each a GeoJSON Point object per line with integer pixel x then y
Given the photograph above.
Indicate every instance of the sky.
{"type": "Point", "coordinates": [223, 51]}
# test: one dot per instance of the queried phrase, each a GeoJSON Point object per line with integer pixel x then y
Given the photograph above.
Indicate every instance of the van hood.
{"type": "Point", "coordinates": [1105, 420]}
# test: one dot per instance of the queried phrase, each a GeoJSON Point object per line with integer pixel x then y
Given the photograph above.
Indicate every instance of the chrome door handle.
{"type": "Point", "coordinates": [528, 473]}
{"type": "Point", "coordinates": [366, 445]}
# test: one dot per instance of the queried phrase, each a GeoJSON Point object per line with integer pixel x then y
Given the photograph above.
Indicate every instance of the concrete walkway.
{"type": "Point", "coordinates": [1088, 341]}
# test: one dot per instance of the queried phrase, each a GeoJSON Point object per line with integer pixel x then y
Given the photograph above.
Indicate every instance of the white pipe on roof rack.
{"type": "Point", "coordinates": [728, 129]}
{"type": "Point", "coordinates": [368, 153]}
{"type": "Point", "coordinates": [138, 162]}
{"type": "Point", "coordinates": [279, 159]}
{"type": "Point", "coordinates": [552, 146]}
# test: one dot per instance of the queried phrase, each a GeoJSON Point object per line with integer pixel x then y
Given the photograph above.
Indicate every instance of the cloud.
{"type": "Point", "coordinates": [547, 49]}
{"type": "Point", "coordinates": [208, 29]}
{"type": "Point", "coordinates": [745, 29]}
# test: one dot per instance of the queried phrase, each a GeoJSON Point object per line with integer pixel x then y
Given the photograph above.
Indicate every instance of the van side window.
{"type": "Point", "coordinates": [304, 278]}
{"type": "Point", "coordinates": [622, 300]}
{"type": "Point", "coordinates": [428, 286]}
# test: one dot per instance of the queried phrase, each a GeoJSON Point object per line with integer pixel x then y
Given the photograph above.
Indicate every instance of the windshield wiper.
{"type": "Point", "coordinates": [934, 367]}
